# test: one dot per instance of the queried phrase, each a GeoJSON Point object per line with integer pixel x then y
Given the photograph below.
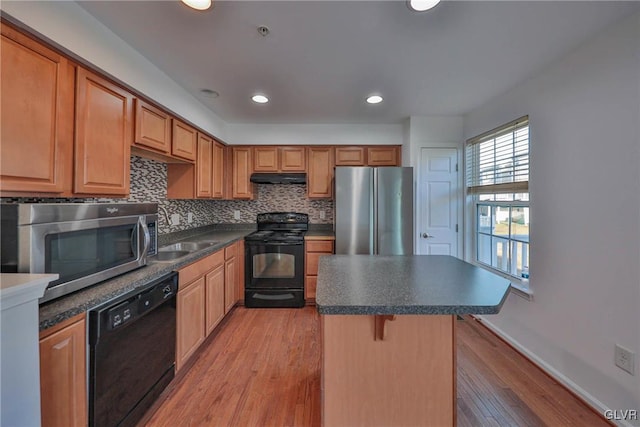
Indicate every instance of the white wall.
{"type": "Point", "coordinates": [432, 132]}
{"type": "Point", "coordinates": [584, 116]}
{"type": "Point", "coordinates": [315, 134]}
{"type": "Point", "coordinates": [70, 26]}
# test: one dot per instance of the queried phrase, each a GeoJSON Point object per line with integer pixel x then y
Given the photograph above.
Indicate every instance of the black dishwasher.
{"type": "Point", "coordinates": [132, 346]}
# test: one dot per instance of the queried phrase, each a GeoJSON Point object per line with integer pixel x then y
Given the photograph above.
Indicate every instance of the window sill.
{"type": "Point", "coordinates": [521, 291]}
{"type": "Point", "coordinates": [516, 286]}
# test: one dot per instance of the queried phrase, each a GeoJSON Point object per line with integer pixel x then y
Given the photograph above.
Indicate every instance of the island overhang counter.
{"type": "Point", "coordinates": [388, 335]}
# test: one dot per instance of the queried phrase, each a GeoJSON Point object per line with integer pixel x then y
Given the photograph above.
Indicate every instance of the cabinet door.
{"type": "Point", "coordinates": [242, 168]}
{"type": "Point", "coordinates": [265, 159]}
{"type": "Point", "coordinates": [184, 141]}
{"type": "Point", "coordinates": [63, 378]}
{"type": "Point", "coordinates": [293, 159]}
{"type": "Point", "coordinates": [217, 191]}
{"type": "Point", "coordinates": [152, 127]}
{"type": "Point", "coordinates": [204, 171]}
{"type": "Point", "coordinates": [383, 156]}
{"type": "Point", "coordinates": [230, 277]}
{"type": "Point", "coordinates": [104, 114]}
{"type": "Point", "coordinates": [190, 321]}
{"type": "Point", "coordinates": [310, 288]}
{"type": "Point", "coordinates": [240, 260]}
{"type": "Point", "coordinates": [36, 146]}
{"type": "Point", "coordinates": [215, 297]}
{"type": "Point", "coordinates": [351, 156]}
{"type": "Point", "coordinates": [320, 172]}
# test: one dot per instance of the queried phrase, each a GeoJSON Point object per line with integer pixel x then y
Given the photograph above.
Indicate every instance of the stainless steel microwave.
{"type": "Point", "coordinates": [85, 243]}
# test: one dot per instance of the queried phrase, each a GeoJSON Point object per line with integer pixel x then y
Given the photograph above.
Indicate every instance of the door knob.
{"type": "Point", "coordinates": [426, 235]}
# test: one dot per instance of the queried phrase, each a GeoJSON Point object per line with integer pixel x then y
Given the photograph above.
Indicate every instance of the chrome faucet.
{"type": "Point", "coordinates": [166, 214]}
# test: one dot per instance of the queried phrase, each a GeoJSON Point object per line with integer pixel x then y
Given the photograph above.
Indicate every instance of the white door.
{"type": "Point", "coordinates": [437, 202]}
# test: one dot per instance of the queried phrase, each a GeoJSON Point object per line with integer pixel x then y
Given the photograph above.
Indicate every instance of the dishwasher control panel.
{"type": "Point", "coordinates": [122, 311]}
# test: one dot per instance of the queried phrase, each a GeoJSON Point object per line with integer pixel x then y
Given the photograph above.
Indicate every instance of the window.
{"type": "Point", "coordinates": [497, 180]}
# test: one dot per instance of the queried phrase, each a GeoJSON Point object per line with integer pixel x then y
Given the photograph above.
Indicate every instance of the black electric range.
{"type": "Point", "coordinates": [274, 266]}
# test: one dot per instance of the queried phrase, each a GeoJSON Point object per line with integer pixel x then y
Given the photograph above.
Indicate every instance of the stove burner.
{"type": "Point", "coordinates": [280, 227]}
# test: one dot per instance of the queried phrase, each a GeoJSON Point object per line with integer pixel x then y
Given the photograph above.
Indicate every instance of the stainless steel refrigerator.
{"type": "Point", "coordinates": [374, 210]}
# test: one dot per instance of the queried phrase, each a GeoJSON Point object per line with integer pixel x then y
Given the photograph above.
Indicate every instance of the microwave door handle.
{"type": "Point", "coordinates": [142, 222]}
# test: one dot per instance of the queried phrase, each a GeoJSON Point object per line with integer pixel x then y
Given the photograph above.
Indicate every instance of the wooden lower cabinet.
{"type": "Point", "coordinates": [314, 249]}
{"type": "Point", "coordinates": [215, 297]}
{"type": "Point", "coordinates": [190, 321]}
{"type": "Point", "coordinates": [207, 291]}
{"type": "Point", "coordinates": [230, 277]}
{"type": "Point", "coordinates": [406, 378]}
{"type": "Point", "coordinates": [240, 261]}
{"type": "Point", "coordinates": [63, 374]}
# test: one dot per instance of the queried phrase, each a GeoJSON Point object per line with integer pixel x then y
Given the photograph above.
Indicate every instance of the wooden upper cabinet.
{"type": "Point", "coordinates": [320, 172]}
{"type": "Point", "coordinates": [279, 159]}
{"type": "Point", "coordinates": [242, 159]}
{"type": "Point", "coordinates": [104, 115]}
{"type": "Point", "coordinates": [383, 156]}
{"type": "Point", "coordinates": [152, 127]}
{"type": "Point", "coordinates": [265, 159]}
{"type": "Point", "coordinates": [351, 156]}
{"type": "Point", "coordinates": [36, 145]}
{"type": "Point", "coordinates": [184, 141]}
{"type": "Point", "coordinates": [293, 159]}
{"type": "Point", "coordinates": [218, 174]}
{"type": "Point", "coordinates": [204, 163]}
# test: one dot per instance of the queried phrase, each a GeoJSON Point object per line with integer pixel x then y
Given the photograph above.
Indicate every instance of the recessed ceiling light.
{"type": "Point", "coordinates": [260, 99]}
{"type": "Point", "coordinates": [198, 4]}
{"type": "Point", "coordinates": [422, 5]}
{"type": "Point", "coordinates": [374, 99]}
{"type": "Point", "coordinates": [209, 93]}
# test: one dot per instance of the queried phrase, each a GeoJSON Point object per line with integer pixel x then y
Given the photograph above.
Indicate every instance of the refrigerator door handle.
{"type": "Point", "coordinates": [374, 212]}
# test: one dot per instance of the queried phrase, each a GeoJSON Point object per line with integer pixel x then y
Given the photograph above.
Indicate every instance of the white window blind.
{"type": "Point", "coordinates": [498, 161]}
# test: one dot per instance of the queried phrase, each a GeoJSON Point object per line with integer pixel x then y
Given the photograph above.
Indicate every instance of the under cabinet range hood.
{"type": "Point", "coordinates": [279, 178]}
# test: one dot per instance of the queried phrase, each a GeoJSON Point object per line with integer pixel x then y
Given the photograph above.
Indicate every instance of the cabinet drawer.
{"type": "Point", "coordinates": [230, 251]}
{"type": "Point", "coordinates": [320, 246]}
{"type": "Point", "coordinates": [193, 271]}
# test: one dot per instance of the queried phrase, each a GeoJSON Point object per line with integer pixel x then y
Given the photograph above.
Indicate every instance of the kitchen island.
{"type": "Point", "coordinates": [388, 335]}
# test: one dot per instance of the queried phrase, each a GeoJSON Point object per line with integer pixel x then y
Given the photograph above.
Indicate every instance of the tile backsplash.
{"type": "Point", "coordinates": [149, 184]}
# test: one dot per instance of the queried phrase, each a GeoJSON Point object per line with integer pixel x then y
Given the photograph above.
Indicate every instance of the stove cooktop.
{"type": "Point", "coordinates": [280, 227]}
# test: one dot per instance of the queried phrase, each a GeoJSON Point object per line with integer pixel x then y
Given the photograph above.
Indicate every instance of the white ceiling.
{"type": "Point", "coordinates": [322, 58]}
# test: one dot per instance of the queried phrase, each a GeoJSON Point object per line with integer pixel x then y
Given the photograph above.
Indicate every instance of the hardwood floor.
{"type": "Point", "coordinates": [262, 368]}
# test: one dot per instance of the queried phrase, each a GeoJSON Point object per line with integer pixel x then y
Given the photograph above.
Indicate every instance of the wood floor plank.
{"type": "Point", "coordinates": [261, 367]}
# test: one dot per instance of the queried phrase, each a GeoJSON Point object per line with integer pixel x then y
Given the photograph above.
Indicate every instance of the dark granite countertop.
{"type": "Point", "coordinates": [320, 232]}
{"type": "Point", "coordinates": [68, 306]}
{"type": "Point", "coordinates": [418, 284]}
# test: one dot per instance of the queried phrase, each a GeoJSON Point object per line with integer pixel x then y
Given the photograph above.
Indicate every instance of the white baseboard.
{"type": "Point", "coordinates": [558, 376]}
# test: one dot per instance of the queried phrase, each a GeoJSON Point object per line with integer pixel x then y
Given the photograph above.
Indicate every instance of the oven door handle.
{"type": "Point", "coordinates": [275, 243]}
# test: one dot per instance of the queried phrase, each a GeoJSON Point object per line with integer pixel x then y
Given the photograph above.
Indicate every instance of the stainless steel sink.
{"type": "Point", "coordinates": [169, 255]}
{"type": "Point", "coordinates": [186, 246]}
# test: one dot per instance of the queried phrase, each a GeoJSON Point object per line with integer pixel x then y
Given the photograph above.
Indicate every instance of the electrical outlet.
{"type": "Point", "coordinates": [175, 219]}
{"type": "Point", "coordinates": [625, 359]}
{"type": "Point", "coordinates": [323, 215]}
{"type": "Point", "coordinates": [236, 214]}
{"type": "Point", "coordinates": [190, 217]}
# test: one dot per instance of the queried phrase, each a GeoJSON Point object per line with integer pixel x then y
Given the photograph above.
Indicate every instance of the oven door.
{"type": "Point", "coordinates": [274, 265]}
{"type": "Point", "coordinates": [85, 252]}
